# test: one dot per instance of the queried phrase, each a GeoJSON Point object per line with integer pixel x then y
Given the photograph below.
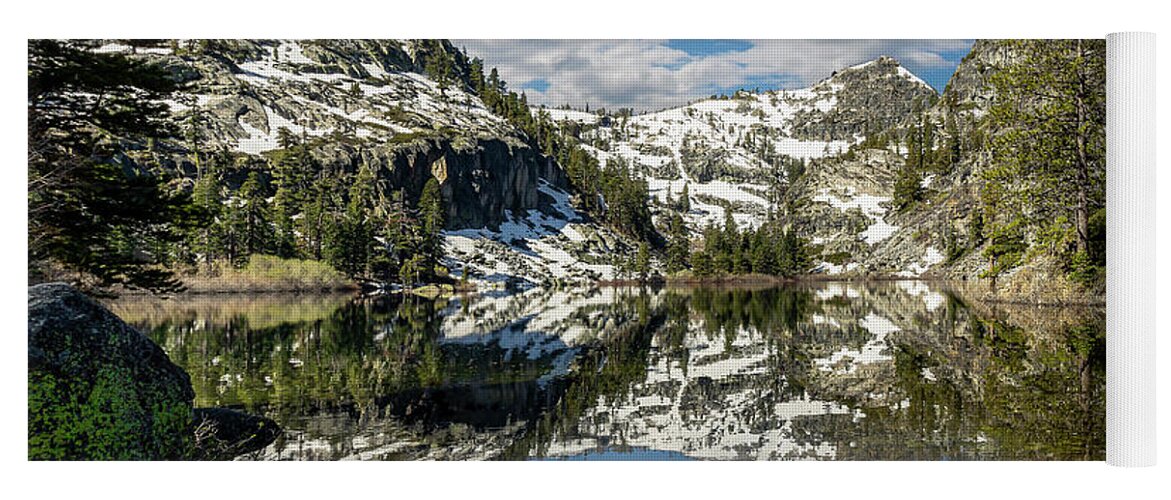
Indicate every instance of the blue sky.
{"type": "Point", "coordinates": [655, 74]}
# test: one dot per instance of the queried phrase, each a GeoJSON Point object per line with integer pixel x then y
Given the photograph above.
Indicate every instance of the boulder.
{"type": "Point", "coordinates": [222, 433]}
{"type": "Point", "coordinates": [98, 388]}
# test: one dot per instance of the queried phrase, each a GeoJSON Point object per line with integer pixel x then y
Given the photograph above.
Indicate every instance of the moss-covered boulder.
{"type": "Point", "coordinates": [97, 388]}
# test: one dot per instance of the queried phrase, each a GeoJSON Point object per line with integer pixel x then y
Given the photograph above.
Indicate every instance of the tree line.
{"type": "Point", "coordinates": [771, 249]}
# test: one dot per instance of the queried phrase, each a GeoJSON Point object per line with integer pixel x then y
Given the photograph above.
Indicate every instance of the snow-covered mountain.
{"type": "Point", "coordinates": [368, 102]}
{"type": "Point", "coordinates": [245, 91]}
{"type": "Point", "coordinates": [739, 150]}
{"type": "Point", "coordinates": [844, 203]}
{"type": "Point", "coordinates": [511, 217]}
{"type": "Point", "coordinates": [753, 151]}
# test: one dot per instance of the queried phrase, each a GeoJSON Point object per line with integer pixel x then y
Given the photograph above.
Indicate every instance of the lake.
{"type": "Point", "coordinates": [822, 371]}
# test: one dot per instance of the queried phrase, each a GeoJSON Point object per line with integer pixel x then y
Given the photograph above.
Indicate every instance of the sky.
{"type": "Point", "coordinates": [655, 74]}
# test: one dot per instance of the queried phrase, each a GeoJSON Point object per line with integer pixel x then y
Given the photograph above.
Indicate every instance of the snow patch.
{"type": "Point", "coordinates": [871, 206]}
{"type": "Point", "coordinates": [930, 258]}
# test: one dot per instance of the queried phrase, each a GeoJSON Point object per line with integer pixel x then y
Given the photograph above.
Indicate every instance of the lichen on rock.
{"type": "Point", "coordinates": [98, 388]}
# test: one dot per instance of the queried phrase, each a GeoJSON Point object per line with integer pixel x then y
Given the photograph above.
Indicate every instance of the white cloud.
{"type": "Point", "coordinates": [646, 74]}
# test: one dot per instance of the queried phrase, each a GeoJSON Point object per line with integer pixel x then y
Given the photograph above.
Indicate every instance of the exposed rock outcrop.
{"type": "Point", "coordinates": [479, 180]}
{"type": "Point", "coordinates": [868, 98]}
{"type": "Point", "coordinates": [355, 102]}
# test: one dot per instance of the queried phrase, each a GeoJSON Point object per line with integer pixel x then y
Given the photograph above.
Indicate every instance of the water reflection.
{"type": "Point", "coordinates": [826, 371]}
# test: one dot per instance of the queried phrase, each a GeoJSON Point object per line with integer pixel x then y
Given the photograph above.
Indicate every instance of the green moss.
{"type": "Point", "coordinates": [110, 418]}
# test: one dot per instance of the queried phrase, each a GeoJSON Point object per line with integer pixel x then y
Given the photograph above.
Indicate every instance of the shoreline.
{"type": "Point", "coordinates": [971, 289]}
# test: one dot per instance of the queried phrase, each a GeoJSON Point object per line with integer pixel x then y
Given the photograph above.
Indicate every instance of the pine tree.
{"type": "Point", "coordinates": [741, 256]}
{"type": "Point", "coordinates": [793, 255]}
{"type": "Point", "coordinates": [206, 196]}
{"type": "Point", "coordinates": [317, 218]}
{"type": "Point", "coordinates": [102, 220]}
{"type": "Point", "coordinates": [255, 230]}
{"type": "Point", "coordinates": [909, 178]}
{"type": "Point", "coordinates": [439, 66]}
{"type": "Point", "coordinates": [679, 244]}
{"type": "Point", "coordinates": [193, 132]}
{"type": "Point", "coordinates": [388, 218]}
{"type": "Point", "coordinates": [403, 237]}
{"type": "Point", "coordinates": [292, 169]}
{"type": "Point", "coordinates": [285, 236]}
{"type": "Point", "coordinates": [726, 243]}
{"type": "Point", "coordinates": [477, 75]}
{"type": "Point", "coordinates": [431, 213]}
{"type": "Point", "coordinates": [764, 252]}
{"type": "Point", "coordinates": [643, 264]}
{"type": "Point", "coordinates": [353, 240]}
{"type": "Point", "coordinates": [702, 264]}
{"type": "Point", "coordinates": [1049, 152]}
{"type": "Point", "coordinates": [908, 186]}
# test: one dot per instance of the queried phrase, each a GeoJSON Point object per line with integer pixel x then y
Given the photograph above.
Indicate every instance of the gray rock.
{"type": "Point", "coordinates": [98, 388]}
{"type": "Point", "coordinates": [222, 433]}
{"type": "Point", "coordinates": [872, 97]}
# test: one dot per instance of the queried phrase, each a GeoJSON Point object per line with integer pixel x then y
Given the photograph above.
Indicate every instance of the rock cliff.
{"type": "Point", "coordinates": [356, 102]}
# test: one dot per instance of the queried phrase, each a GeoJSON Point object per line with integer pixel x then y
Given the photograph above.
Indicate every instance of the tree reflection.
{"type": "Point", "coordinates": [850, 372]}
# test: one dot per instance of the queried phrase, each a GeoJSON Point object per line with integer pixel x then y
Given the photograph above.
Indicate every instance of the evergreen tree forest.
{"type": "Point", "coordinates": [771, 250]}
{"type": "Point", "coordinates": [1045, 191]}
{"type": "Point", "coordinates": [290, 206]}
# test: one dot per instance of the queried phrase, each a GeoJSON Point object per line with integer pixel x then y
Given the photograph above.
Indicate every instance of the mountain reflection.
{"type": "Point", "coordinates": [885, 371]}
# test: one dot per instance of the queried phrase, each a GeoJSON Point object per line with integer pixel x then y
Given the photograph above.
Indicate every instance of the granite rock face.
{"type": "Point", "coordinates": [479, 181]}
{"type": "Point", "coordinates": [870, 97]}
{"type": "Point", "coordinates": [355, 102]}
{"type": "Point", "coordinates": [223, 433]}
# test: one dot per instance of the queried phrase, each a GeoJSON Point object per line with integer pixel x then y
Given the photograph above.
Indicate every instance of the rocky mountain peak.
{"type": "Point", "coordinates": [870, 72]}
{"type": "Point", "coordinates": [868, 98]}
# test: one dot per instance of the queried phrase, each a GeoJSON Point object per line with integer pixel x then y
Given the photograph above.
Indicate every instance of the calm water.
{"type": "Point", "coordinates": [832, 371]}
